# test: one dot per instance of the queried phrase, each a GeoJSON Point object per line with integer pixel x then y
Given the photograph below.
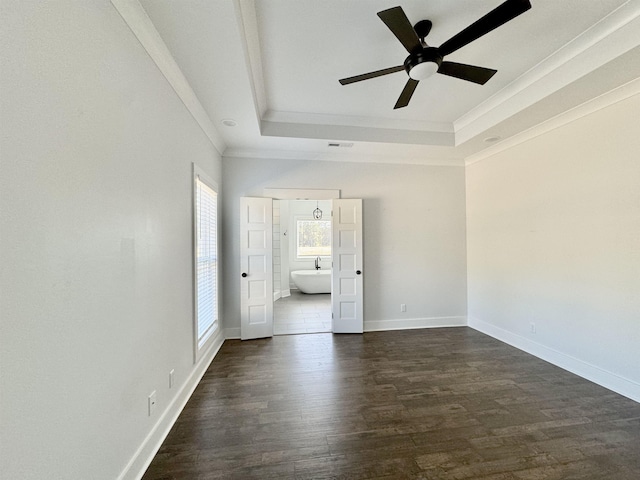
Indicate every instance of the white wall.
{"type": "Point", "coordinates": [96, 222]}
{"type": "Point", "coordinates": [414, 234]}
{"type": "Point", "coordinates": [553, 231]}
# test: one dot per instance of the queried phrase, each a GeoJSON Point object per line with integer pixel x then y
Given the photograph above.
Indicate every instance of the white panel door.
{"type": "Point", "coordinates": [256, 268]}
{"type": "Point", "coordinates": [347, 271]}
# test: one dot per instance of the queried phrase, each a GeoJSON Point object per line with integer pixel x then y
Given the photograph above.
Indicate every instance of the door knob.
{"type": "Point", "coordinates": [358, 272]}
{"type": "Point", "coordinates": [244, 275]}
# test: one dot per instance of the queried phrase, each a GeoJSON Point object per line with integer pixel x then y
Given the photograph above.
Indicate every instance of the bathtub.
{"type": "Point", "coordinates": [312, 281]}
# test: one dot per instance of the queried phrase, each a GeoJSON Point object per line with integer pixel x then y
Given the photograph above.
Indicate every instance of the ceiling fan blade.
{"type": "Point", "coordinates": [401, 27]}
{"type": "Point", "coordinates": [495, 18]}
{"type": "Point", "coordinates": [367, 76]}
{"type": "Point", "coordinates": [470, 73]}
{"type": "Point", "coordinates": [406, 94]}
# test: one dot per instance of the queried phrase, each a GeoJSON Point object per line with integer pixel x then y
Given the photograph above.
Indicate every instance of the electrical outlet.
{"type": "Point", "coordinates": [152, 402]}
{"type": "Point", "coordinates": [532, 327]}
{"type": "Point", "coordinates": [403, 307]}
{"type": "Point", "coordinates": [171, 378]}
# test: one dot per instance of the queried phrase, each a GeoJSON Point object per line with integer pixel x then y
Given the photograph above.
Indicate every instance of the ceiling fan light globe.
{"type": "Point", "coordinates": [423, 70]}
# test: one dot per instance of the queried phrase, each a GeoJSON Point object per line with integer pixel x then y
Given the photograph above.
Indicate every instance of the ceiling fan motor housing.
{"type": "Point", "coordinates": [420, 65]}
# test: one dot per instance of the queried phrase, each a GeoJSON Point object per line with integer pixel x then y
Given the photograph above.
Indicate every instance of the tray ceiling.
{"type": "Point", "coordinates": [273, 67]}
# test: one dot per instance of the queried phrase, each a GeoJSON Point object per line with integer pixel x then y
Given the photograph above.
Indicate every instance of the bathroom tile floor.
{"type": "Point", "coordinates": [302, 313]}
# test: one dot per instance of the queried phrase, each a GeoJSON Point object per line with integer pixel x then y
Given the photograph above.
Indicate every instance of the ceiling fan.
{"type": "Point", "coordinates": [423, 60]}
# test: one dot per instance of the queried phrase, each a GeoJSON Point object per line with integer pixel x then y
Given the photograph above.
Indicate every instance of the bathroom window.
{"type": "Point", "coordinates": [314, 238]}
{"type": "Point", "coordinates": [206, 260]}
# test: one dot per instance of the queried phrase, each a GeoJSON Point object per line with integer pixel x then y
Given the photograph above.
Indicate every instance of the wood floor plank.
{"type": "Point", "coordinates": [432, 404]}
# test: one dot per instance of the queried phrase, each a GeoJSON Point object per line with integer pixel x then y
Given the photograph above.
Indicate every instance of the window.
{"type": "Point", "coordinates": [314, 238]}
{"type": "Point", "coordinates": [206, 260]}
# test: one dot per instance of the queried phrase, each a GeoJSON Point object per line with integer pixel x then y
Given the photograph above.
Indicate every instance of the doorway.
{"type": "Point", "coordinates": [302, 238]}
{"type": "Point", "coordinates": [256, 265]}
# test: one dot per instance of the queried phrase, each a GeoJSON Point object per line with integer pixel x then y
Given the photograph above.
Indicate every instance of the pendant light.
{"type": "Point", "coordinates": [317, 213]}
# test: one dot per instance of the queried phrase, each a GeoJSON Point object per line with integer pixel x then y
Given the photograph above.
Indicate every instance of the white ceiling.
{"type": "Point", "coordinates": [273, 67]}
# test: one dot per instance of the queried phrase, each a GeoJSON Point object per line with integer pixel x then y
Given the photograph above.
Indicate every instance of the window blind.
{"type": "Point", "coordinates": [206, 261]}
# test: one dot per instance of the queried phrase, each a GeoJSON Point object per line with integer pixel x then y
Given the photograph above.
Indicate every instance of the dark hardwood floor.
{"type": "Point", "coordinates": [446, 403]}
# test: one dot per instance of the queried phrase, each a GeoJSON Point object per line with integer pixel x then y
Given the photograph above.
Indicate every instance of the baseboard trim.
{"type": "Point", "coordinates": [232, 333]}
{"type": "Point", "coordinates": [413, 323]}
{"type": "Point", "coordinates": [593, 373]}
{"type": "Point", "coordinates": [384, 325]}
{"type": "Point", "coordinates": [141, 460]}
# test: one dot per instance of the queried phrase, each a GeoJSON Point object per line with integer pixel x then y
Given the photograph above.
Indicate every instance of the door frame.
{"type": "Point", "coordinates": [304, 194]}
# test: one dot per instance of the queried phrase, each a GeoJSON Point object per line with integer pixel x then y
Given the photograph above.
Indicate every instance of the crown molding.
{"type": "Point", "coordinates": [356, 121]}
{"type": "Point", "coordinates": [250, 42]}
{"type": "Point", "coordinates": [611, 37]}
{"type": "Point", "coordinates": [616, 95]}
{"type": "Point", "coordinates": [143, 29]}
{"type": "Point", "coordinates": [356, 133]}
{"type": "Point", "coordinates": [351, 157]}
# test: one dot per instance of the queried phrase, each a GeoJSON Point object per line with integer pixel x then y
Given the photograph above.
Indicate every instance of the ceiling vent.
{"type": "Point", "coordinates": [340, 144]}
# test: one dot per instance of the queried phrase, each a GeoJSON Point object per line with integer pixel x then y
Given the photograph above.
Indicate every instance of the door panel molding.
{"type": "Point", "coordinates": [256, 268]}
{"type": "Point", "coordinates": [347, 271]}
